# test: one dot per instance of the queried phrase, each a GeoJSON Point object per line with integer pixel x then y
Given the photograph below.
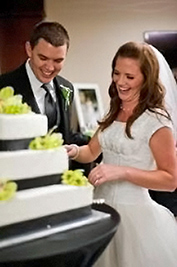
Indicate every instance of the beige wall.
{"type": "Point", "coordinates": [98, 27]}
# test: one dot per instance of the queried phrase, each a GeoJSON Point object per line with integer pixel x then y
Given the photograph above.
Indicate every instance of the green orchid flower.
{"type": "Point", "coordinates": [7, 189]}
{"type": "Point", "coordinates": [75, 177]}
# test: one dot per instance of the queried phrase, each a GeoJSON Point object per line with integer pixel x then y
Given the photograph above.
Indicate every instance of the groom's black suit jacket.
{"type": "Point", "coordinates": [19, 80]}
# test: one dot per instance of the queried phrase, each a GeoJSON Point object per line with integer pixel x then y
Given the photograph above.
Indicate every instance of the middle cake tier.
{"type": "Point", "coordinates": [33, 168]}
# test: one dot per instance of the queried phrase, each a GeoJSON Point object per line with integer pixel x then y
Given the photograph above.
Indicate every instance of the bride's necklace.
{"type": "Point", "coordinates": [125, 109]}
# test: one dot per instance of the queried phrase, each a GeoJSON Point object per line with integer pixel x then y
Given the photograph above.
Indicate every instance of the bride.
{"type": "Point", "coordinates": [138, 146]}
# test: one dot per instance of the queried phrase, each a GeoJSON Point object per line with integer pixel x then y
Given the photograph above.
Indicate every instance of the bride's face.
{"type": "Point", "coordinates": [128, 78]}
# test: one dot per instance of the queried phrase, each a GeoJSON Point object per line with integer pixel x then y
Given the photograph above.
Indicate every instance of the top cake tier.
{"type": "Point", "coordinates": [17, 131]}
{"type": "Point", "coordinates": [22, 126]}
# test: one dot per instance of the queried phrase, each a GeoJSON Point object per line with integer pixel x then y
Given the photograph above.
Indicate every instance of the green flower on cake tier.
{"type": "Point", "coordinates": [7, 189]}
{"type": "Point", "coordinates": [12, 104]}
{"type": "Point", "coordinates": [49, 141]}
{"type": "Point", "coordinates": [6, 92]}
{"type": "Point", "coordinates": [75, 177]}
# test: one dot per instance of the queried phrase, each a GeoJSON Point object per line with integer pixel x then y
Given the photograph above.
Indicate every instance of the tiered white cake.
{"type": "Point", "coordinates": [29, 166]}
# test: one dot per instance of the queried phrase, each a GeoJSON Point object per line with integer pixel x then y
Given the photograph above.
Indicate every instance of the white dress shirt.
{"type": "Point", "coordinates": [39, 93]}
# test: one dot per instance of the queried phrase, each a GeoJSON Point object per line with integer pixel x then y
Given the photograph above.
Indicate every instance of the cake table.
{"type": "Point", "coordinates": [78, 247]}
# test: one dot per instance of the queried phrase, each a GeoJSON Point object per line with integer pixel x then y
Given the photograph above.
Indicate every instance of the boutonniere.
{"type": "Point", "coordinates": [66, 92]}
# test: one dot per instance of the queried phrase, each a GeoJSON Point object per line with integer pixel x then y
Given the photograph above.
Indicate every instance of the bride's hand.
{"type": "Point", "coordinates": [72, 151]}
{"type": "Point", "coordinates": [105, 172]}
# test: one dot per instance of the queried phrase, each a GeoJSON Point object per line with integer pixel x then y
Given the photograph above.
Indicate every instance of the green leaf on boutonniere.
{"type": "Point", "coordinates": [66, 92]}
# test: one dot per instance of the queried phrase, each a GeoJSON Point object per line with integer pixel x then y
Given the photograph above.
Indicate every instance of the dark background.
{"type": "Point", "coordinates": [17, 18]}
{"type": "Point", "coordinates": [166, 43]}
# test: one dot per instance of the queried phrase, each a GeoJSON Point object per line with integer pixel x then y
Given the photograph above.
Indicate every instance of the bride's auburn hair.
{"type": "Point", "coordinates": [152, 92]}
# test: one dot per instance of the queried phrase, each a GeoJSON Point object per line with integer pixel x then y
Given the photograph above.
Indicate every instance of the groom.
{"type": "Point", "coordinates": [46, 51]}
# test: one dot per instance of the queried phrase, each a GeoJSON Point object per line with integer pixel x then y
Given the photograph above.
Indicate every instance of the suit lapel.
{"type": "Point", "coordinates": [31, 101]}
{"type": "Point", "coordinates": [24, 88]}
{"type": "Point", "coordinates": [64, 125]}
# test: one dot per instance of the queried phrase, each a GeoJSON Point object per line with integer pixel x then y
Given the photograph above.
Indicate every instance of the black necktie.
{"type": "Point", "coordinates": [50, 106]}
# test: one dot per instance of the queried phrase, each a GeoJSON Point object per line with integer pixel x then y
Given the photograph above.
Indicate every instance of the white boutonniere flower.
{"type": "Point", "coordinates": [66, 92]}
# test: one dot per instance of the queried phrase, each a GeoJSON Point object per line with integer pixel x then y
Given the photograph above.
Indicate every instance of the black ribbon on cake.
{"type": "Point", "coordinates": [11, 145]}
{"type": "Point", "coordinates": [41, 181]}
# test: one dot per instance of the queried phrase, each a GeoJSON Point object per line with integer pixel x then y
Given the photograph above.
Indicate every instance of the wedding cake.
{"type": "Point", "coordinates": [39, 197]}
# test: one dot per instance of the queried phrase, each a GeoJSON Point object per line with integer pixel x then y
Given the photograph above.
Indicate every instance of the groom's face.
{"type": "Point", "coordinates": [46, 60]}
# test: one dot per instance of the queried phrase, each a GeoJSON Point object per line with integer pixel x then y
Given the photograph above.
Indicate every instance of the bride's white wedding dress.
{"type": "Point", "coordinates": [147, 233]}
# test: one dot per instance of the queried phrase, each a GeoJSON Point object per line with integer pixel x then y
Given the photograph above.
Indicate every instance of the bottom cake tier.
{"type": "Point", "coordinates": [40, 202]}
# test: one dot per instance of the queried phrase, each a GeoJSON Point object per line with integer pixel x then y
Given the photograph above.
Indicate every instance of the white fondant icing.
{"type": "Point", "coordinates": [35, 203]}
{"type": "Point", "coordinates": [21, 126]}
{"type": "Point", "coordinates": [16, 165]}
